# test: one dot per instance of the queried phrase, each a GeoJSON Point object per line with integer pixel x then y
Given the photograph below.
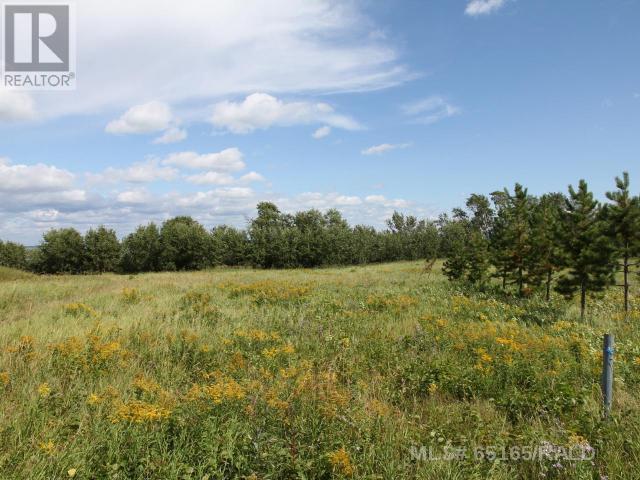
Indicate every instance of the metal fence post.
{"type": "Point", "coordinates": [607, 372]}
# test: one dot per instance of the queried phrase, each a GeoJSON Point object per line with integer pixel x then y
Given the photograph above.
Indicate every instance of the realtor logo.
{"type": "Point", "coordinates": [38, 46]}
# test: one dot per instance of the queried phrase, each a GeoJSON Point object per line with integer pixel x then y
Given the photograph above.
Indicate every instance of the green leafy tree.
{"type": "Point", "coordinates": [231, 245]}
{"type": "Point", "coordinates": [623, 217]}
{"type": "Point", "coordinates": [273, 238]}
{"type": "Point", "coordinates": [102, 250]}
{"type": "Point", "coordinates": [589, 252]}
{"type": "Point", "coordinates": [13, 255]}
{"type": "Point", "coordinates": [186, 245]}
{"type": "Point", "coordinates": [338, 239]}
{"type": "Point", "coordinates": [141, 250]}
{"type": "Point", "coordinates": [61, 251]}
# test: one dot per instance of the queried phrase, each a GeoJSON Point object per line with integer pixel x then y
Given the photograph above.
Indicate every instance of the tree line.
{"type": "Point", "coordinates": [272, 239]}
{"type": "Point", "coordinates": [570, 243]}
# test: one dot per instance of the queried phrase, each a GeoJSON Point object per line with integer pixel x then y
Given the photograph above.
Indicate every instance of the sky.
{"type": "Point", "coordinates": [206, 108]}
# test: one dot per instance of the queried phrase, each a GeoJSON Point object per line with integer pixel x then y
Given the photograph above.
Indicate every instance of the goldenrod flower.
{"type": "Point", "coordinates": [341, 462]}
{"type": "Point", "coordinates": [47, 447]}
{"type": "Point", "coordinates": [44, 390]}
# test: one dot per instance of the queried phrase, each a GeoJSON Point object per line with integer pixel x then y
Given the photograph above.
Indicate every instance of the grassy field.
{"type": "Point", "coordinates": [370, 372]}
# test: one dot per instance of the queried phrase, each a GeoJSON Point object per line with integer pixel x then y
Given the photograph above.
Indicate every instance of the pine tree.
{"type": "Point", "coordinates": [468, 242]}
{"type": "Point", "coordinates": [623, 217]}
{"type": "Point", "coordinates": [589, 251]}
{"type": "Point", "coordinates": [546, 258]}
{"type": "Point", "coordinates": [499, 242]}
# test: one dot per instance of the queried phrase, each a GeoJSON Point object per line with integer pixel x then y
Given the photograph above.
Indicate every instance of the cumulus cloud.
{"type": "Point", "coordinates": [483, 7]}
{"type": "Point", "coordinates": [33, 178]}
{"type": "Point", "coordinates": [15, 106]}
{"type": "Point", "coordinates": [385, 147]}
{"type": "Point", "coordinates": [140, 172]}
{"type": "Point", "coordinates": [430, 110]}
{"type": "Point", "coordinates": [262, 111]}
{"type": "Point", "coordinates": [217, 178]}
{"type": "Point", "coordinates": [172, 135]}
{"type": "Point", "coordinates": [211, 178]}
{"type": "Point", "coordinates": [24, 217]}
{"type": "Point", "coordinates": [384, 201]}
{"type": "Point", "coordinates": [138, 196]}
{"type": "Point", "coordinates": [146, 118]}
{"type": "Point", "coordinates": [322, 132]}
{"type": "Point", "coordinates": [251, 177]}
{"type": "Point", "coordinates": [229, 160]}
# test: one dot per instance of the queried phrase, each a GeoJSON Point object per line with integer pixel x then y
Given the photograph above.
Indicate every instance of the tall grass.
{"type": "Point", "coordinates": [332, 373]}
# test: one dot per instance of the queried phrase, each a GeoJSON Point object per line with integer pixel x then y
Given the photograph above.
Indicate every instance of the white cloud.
{"type": "Point", "coordinates": [146, 118]}
{"type": "Point", "coordinates": [172, 135]}
{"type": "Point", "coordinates": [385, 147]}
{"type": "Point", "coordinates": [217, 178]}
{"type": "Point", "coordinates": [636, 95]}
{"type": "Point", "coordinates": [483, 7]}
{"type": "Point", "coordinates": [322, 132]}
{"type": "Point", "coordinates": [229, 160]}
{"type": "Point", "coordinates": [15, 106]}
{"type": "Point", "coordinates": [141, 172]}
{"type": "Point", "coordinates": [384, 201]}
{"type": "Point", "coordinates": [33, 178]}
{"type": "Point", "coordinates": [25, 216]}
{"type": "Point", "coordinates": [203, 49]}
{"type": "Point", "coordinates": [261, 111]}
{"type": "Point", "coordinates": [430, 110]}
{"type": "Point", "coordinates": [211, 178]}
{"type": "Point", "coordinates": [251, 177]}
{"type": "Point", "coordinates": [139, 196]}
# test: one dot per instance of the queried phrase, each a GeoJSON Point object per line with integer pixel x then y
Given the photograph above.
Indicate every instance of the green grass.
{"type": "Point", "coordinates": [10, 274]}
{"type": "Point", "coordinates": [327, 373]}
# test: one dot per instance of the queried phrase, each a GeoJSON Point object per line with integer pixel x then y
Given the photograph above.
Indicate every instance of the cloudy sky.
{"type": "Point", "coordinates": [206, 108]}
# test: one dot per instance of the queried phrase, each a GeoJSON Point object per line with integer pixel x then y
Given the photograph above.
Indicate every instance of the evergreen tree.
{"type": "Point", "coordinates": [587, 248]}
{"type": "Point", "coordinates": [498, 240]}
{"type": "Point", "coordinates": [518, 234]}
{"type": "Point", "coordinates": [468, 242]}
{"type": "Point", "coordinates": [623, 217]}
{"type": "Point", "coordinates": [102, 250]}
{"type": "Point", "coordinates": [455, 234]}
{"type": "Point", "coordinates": [546, 258]}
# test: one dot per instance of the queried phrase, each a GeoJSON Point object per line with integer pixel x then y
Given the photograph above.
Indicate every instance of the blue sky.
{"type": "Point", "coordinates": [415, 105]}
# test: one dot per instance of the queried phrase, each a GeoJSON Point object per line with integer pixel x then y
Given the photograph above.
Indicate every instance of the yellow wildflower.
{"type": "Point", "coordinates": [145, 385]}
{"type": "Point", "coordinates": [432, 388]}
{"type": "Point", "coordinates": [44, 390]}
{"type": "Point", "coordinates": [47, 447]}
{"type": "Point", "coordinates": [224, 389]}
{"type": "Point", "coordinates": [94, 399]}
{"type": "Point", "coordinates": [139, 412]}
{"type": "Point", "coordinates": [341, 462]}
{"type": "Point", "coordinates": [4, 378]}
{"type": "Point", "coordinates": [72, 472]}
